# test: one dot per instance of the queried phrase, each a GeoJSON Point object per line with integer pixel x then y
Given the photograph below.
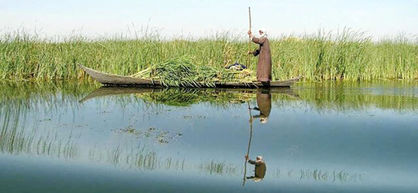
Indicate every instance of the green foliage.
{"type": "Point", "coordinates": [182, 72]}
{"type": "Point", "coordinates": [350, 56]}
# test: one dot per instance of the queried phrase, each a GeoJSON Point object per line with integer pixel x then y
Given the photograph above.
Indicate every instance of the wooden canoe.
{"type": "Point", "coordinates": [127, 81]}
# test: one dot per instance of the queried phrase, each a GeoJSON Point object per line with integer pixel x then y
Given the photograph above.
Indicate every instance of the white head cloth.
{"type": "Point", "coordinates": [264, 32]}
{"type": "Point", "coordinates": [264, 120]}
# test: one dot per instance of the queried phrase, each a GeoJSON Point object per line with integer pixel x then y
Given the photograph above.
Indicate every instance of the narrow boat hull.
{"type": "Point", "coordinates": [127, 81]}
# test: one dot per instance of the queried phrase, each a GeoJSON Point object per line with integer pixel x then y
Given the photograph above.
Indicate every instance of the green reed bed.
{"type": "Point", "coordinates": [349, 56]}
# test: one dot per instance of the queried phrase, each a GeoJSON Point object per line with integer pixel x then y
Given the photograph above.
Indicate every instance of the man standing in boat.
{"type": "Point", "coordinates": [264, 56]}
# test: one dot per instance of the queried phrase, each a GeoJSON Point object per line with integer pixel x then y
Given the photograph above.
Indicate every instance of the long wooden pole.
{"type": "Point", "coordinates": [249, 107]}
{"type": "Point", "coordinates": [249, 42]}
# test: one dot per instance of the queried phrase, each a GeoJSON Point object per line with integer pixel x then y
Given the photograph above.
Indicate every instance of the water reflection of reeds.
{"type": "Point", "coordinates": [14, 140]}
{"type": "Point", "coordinates": [319, 175]}
{"type": "Point", "coordinates": [329, 176]}
{"type": "Point", "coordinates": [16, 104]}
{"type": "Point", "coordinates": [323, 96]}
{"type": "Point", "coordinates": [186, 97]}
{"type": "Point", "coordinates": [353, 96]}
{"type": "Point", "coordinates": [17, 101]}
{"type": "Point", "coordinates": [137, 157]}
{"type": "Point", "coordinates": [219, 168]}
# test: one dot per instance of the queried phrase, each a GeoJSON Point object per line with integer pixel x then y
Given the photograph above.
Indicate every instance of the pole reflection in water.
{"type": "Point", "coordinates": [264, 107]}
{"type": "Point", "coordinates": [249, 145]}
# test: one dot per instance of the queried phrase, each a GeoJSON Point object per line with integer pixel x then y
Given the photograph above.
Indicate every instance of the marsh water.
{"type": "Point", "coordinates": [314, 137]}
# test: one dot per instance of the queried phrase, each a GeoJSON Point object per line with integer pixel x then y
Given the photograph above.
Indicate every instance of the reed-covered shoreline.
{"type": "Point", "coordinates": [348, 56]}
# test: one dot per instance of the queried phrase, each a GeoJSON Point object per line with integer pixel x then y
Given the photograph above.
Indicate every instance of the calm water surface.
{"type": "Point", "coordinates": [323, 137]}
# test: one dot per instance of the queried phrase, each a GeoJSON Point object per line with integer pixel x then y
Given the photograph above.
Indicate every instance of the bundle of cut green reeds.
{"type": "Point", "coordinates": [182, 72]}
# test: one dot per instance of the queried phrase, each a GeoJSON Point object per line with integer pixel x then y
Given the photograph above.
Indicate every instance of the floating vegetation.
{"type": "Point", "coordinates": [160, 135]}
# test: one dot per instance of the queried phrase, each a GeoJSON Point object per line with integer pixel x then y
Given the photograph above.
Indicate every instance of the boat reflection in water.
{"type": "Point", "coordinates": [186, 97]}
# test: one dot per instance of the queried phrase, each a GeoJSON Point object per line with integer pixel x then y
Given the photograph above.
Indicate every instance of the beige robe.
{"type": "Point", "coordinates": [264, 59]}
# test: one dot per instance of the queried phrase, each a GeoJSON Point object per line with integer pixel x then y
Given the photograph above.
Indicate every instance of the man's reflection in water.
{"type": "Point", "coordinates": [260, 168]}
{"type": "Point", "coordinates": [264, 105]}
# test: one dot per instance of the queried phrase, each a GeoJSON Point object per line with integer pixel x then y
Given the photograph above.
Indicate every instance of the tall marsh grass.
{"type": "Point", "coordinates": [349, 56]}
